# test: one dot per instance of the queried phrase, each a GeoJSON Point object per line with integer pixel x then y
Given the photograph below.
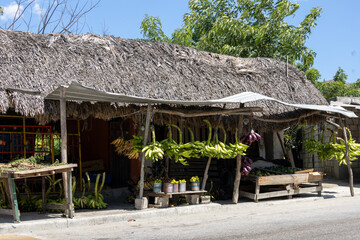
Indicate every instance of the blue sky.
{"type": "Point", "coordinates": [336, 39]}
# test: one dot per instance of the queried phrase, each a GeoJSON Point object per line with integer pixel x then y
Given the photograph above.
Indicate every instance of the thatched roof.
{"type": "Point", "coordinates": [139, 68]}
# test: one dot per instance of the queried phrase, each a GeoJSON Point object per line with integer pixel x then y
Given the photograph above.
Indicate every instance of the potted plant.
{"type": "Point", "coordinates": [157, 185]}
{"type": "Point", "coordinates": [175, 185]}
{"type": "Point", "coordinates": [195, 183]}
{"type": "Point", "coordinates": [182, 185]}
{"type": "Point", "coordinates": [168, 186]}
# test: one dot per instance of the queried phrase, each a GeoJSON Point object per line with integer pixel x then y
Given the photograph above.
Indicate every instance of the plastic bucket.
{"type": "Point", "coordinates": [168, 187]}
{"type": "Point", "coordinates": [195, 186]}
{"type": "Point", "coordinates": [182, 187]}
{"type": "Point", "coordinates": [157, 187]}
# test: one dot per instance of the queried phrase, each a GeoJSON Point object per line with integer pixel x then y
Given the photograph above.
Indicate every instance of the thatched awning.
{"type": "Point", "coordinates": [138, 68]}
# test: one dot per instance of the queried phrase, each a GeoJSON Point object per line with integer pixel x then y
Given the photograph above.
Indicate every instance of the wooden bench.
{"type": "Point", "coordinates": [162, 198]}
{"type": "Point", "coordinates": [288, 185]}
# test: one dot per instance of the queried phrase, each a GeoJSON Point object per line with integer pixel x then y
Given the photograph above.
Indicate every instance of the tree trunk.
{"type": "Point", "coordinates": [351, 179]}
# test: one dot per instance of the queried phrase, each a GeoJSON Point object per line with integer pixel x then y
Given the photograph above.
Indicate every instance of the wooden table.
{"type": "Point", "coordinates": [162, 198]}
{"type": "Point", "coordinates": [292, 184]}
{"type": "Point", "coordinates": [8, 177]}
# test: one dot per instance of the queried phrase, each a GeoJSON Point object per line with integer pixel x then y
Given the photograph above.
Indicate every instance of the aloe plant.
{"type": "Point", "coordinates": [96, 200]}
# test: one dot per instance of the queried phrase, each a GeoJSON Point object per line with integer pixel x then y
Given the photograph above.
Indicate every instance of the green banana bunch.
{"type": "Point", "coordinates": [192, 149]}
{"type": "Point", "coordinates": [238, 148]}
{"type": "Point", "coordinates": [209, 150]}
{"type": "Point", "coordinates": [334, 149]}
{"type": "Point", "coordinates": [172, 149]}
{"type": "Point", "coordinates": [153, 151]}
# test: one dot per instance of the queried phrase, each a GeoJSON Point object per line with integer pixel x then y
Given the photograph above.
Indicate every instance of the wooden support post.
{"type": "Point", "coordinates": [320, 185]}
{"type": "Point", "coordinates": [235, 197]}
{"type": "Point", "coordinates": [64, 140]}
{"type": "Point", "coordinates": [69, 202]}
{"type": "Point", "coordinates": [203, 185]}
{"type": "Point", "coordinates": [257, 190]}
{"type": "Point", "coordinates": [43, 192]}
{"type": "Point", "coordinates": [287, 152]}
{"type": "Point", "coordinates": [13, 198]}
{"type": "Point", "coordinates": [351, 179]}
{"type": "Point", "coordinates": [142, 155]}
{"type": "Point", "coordinates": [80, 159]}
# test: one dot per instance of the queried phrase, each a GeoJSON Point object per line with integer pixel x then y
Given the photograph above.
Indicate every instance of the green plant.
{"type": "Point", "coordinates": [174, 181]}
{"type": "Point", "coordinates": [194, 179]}
{"type": "Point", "coordinates": [182, 181]}
{"type": "Point", "coordinates": [96, 200]}
{"type": "Point", "coordinates": [157, 181]}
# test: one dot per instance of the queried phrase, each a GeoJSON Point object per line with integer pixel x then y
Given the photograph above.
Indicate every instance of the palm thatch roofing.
{"type": "Point", "coordinates": [139, 68]}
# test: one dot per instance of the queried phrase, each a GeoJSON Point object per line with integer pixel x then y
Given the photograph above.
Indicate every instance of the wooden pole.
{"type": "Point", "coordinates": [64, 143]}
{"type": "Point", "coordinates": [287, 152]}
{"type": "Point", "coordinates": [142, 155]}
{"type": "Point", "coordinates": [235, 197]}
{"type": "Point", "coordinates": [351, 180]}
{"type": "Point", "coordinates": [203, 185]}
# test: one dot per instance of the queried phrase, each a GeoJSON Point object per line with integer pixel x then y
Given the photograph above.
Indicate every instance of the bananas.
{"type": "Point", "coordinates": [153, 151]}
{"type": "Point", "coordinates": [335, 149]}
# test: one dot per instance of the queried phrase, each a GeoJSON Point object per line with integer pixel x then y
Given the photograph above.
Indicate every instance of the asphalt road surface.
{"type": "Point", "coordinates": [309, 218]}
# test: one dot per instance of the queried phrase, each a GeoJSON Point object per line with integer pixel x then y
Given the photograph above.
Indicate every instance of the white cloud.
{"type": "Point", "coordinates": [37, 9]}
{"type": "Point", "coordinates": [11, 10]}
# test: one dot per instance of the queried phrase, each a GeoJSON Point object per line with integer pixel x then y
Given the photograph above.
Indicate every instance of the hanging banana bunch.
{"type": "Point", "coordinates": [172, 148]}
{"type": "Point", "coordinates": [209, 149]}
{"type": "Point", "coordinates": [123, 147]}
{"type": "Point", "coordinates": [335, 148]}
{"type": "Point", "coordinates": [192, 149]}
{"type": "Point", "coordinates": [153, 151]}
{"type": "Point", "coordinates": [238, 147]}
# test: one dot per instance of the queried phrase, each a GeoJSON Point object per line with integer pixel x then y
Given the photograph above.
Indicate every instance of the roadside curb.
{"type": "Point", "coordinates": [43, 222]}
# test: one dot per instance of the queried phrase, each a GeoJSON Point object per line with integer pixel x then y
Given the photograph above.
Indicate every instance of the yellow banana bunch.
{"type": "Point", "coordinates": [122, 146]}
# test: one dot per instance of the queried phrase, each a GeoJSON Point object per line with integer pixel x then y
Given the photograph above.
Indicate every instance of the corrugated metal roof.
{"type": "Point", "coordinates": [77, 92]}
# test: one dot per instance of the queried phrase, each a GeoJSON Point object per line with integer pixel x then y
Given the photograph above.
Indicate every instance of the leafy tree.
{"type": "Point", "coordinates": [313, 75]}
{"type": "Point", "coordinates": [340, 75]}
{"type": "Point", "coordinates": [357, 83]}
{"type": "Point", "coordinates": [151, 29]}
{"type": "Point", "coordinates": [338, 87]}
{"type": "Point", "coordinates": [242, 28]}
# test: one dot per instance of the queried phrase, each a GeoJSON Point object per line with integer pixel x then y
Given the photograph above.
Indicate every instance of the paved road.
{"type": "Point", "coordinates": [309, 218]}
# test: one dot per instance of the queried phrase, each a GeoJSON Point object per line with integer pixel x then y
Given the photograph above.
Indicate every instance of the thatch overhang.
{"type": "Point", "coordinates": [139, 68]}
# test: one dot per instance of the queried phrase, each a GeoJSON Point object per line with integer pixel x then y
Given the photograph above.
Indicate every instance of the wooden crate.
{"type": "Point", "coordinates": [284, 185]}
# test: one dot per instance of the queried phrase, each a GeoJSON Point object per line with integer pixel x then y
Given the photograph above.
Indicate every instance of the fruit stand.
{"type": "Point", "coordinates": [278, 185]}
{"type": "Point", "coordinates": [26, 170]}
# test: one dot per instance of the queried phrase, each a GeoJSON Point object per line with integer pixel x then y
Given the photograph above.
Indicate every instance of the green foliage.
{"type": "Point", "coordinates": [182, 181]}
{"type": "Point", "coordinates": [151, 29]}
{"type": "Point", "coordinates": [173, 181]}
{"type": "Point", "coordinates": [313, 75]}
{"type": "Point", "coordinates": [337, 89]}
{"type": "Point", "coordinates": [243, 28]}
{"type": "Point", "coordinates": [194, 179]}
{"type": "Point", "coordinates": [157, 181]}
{"type": "Point", "coordinates": [340, 75]}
